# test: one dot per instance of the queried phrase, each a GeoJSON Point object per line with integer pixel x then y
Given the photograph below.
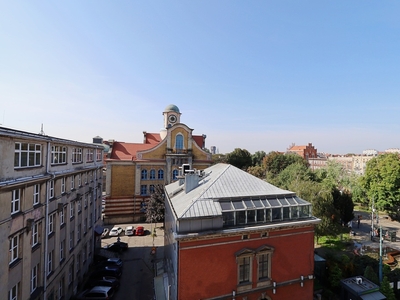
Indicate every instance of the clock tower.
{"type": "Point", "coordinates": [172, 116]}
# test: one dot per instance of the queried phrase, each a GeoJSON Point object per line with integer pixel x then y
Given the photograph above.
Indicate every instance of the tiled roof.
{"type": "Point", "coordinates": [221, 182]}
{"type": "Point", "coordinates": [297, 148]}
{"type": "Point", "coordinates": [127, 151]}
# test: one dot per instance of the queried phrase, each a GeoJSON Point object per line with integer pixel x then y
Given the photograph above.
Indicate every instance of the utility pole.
{"type": "Point", "coordinates": [380, 254]}
{"type": "Point", "coordinates": [372, 219]}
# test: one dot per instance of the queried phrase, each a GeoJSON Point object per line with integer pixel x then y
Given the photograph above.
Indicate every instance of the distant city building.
{"type": "Point", "coordinates": [134, 169]}
{"type": "Point", "coordinates": [371, 152]}
{"type": "Point", "coordinates": [393, 150]}
{"type": "Point", "coordinates": [306, 151]}
{"type": "Point", "coordinates": [234, 236]}
{"type": "Point", "coordinates": [50, 196]}
{"type": "Point", "coordinates": [213, 150]}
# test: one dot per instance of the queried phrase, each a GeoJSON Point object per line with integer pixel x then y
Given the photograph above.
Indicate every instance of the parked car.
{"type": "Point", "coordinates": [102, 272]}
{"type": "Point", "coordinates": [105, 232]}
{"type": "Point", "coordinates": [115, 231]}
{"type": "Point", "coordinates": [116, 247]}
{"type": "Point", "coordinates": [140, 230]}
{"type": "Point", "coordinates": [103, 281]}
{"type": "Point", "coordinates": [117, 262]}
{"type": "Point", "coordinates": [129, 230]}
{"type": "Point", "coordinates": [97, 293]}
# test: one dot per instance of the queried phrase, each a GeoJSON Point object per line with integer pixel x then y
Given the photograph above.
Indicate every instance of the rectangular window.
{"type": "Point", "coordinates": [35, 234]}
{"type": "Point", "coordinates": [86, 178]}
{"type": "Point", "coordinates": [36, 194]}
{"type": "Point", "coordinates": [62, 216]}
{"type": "Point", "coordinates": [71, 274]}
{"type": "Point", "coordinates": [85, 226]}
{"type": "Point", "coordinates": [62, 247]}
{"type": "Point", "coordinates": [152, 188]}
{"type": "Point", "coordinates": [79, 180]}
{"type": "Point", "coordinates": [27, 155]}
{"type": "Point", "coordinates": [143, 189]}
{"type": "Point", "coordinates": [85, 200]}
{"type": "Point", "coordinates": [79, 232]}
{"type": "Point", "coordinates": [62, 185]}
{"type": "Point", "coordinates": [76, 155]}
{"type": "Point", "coordinates": [263, 266]}
{"type": "Point", "coordinates": [14, 248]}
{"type": "Point", "coordinates": [51, 189]}
{"type": "Point", "coordinates": [13, 292]}
{"type": "Point", "coordinates": [244, 269]}
{"type": "Point", "coordinates": [72, 182]}
{"type": "Point", "coordinates": [51, 223]}
{"type": "Point", "coordinates": [71, 209]}
{"type": "Point", "coordinates": [99, 154]}
{"type": "Point", "coordinates": [79, 206]}
{"type": "Point", "coordinates": [34, 278]}
{"type": "Point", "coordinates": [15, 201]}
{"type": "Point", "coordinates": [71, 240]}
{"type": "Point", "coordinates": [61, 288]}
{"type": "Point", "coordinates": [50, 262]}
{"type": "Point", "coordinates": [89, 155]}
{"type": "Point", "coordinates": [58, 155]}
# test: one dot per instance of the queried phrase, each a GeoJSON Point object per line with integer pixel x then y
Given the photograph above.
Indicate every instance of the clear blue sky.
{"type": "Point", "coordinates": [257, 75]}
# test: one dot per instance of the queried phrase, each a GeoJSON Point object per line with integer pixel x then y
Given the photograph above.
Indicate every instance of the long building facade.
{"type": "Point", "coordinates": [50, 199]}
{"type": "Point", "coordinates": [135, 169]}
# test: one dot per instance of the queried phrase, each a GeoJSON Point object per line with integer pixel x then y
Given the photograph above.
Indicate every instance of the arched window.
{"type": "Point", "coordinates": [179, 142]}
{"type": "Point", "coordinates": [152, 174]}
{"type": "Point", "coordinates": [144, 174]}
{"type": "Point", "coordinates": [174, 174]}
{"type": "Point", "coordinates": [160, 174]}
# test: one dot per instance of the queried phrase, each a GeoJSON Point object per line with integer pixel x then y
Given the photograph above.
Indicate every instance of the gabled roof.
{"type": "Point", "coordinates": [220, 182]}
{"type": "Point", "coordinates": [297, 148]}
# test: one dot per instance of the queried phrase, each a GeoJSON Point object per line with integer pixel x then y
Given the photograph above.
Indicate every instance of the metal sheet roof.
{"type": "Point", "coordinates": [221, 182]}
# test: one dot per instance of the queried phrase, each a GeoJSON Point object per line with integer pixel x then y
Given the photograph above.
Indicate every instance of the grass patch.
{"type": "Point", "coordinates": [337, 243]}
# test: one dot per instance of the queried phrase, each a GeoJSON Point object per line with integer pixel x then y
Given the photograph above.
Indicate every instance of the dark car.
{"type": "Point", "coordinates": [116, 247]}
{"type": "Point", "coordinates": [112, 263]}
{"type": "Point", "coordinates": [103, 281]}
{"type": "Point", "coordinates": [102, 272]}
{"type": "Point", "coordinates": [97, 293]}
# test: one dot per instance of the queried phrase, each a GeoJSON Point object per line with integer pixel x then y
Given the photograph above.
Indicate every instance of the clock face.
{"type": "Point", "coordinates": [172, 118]}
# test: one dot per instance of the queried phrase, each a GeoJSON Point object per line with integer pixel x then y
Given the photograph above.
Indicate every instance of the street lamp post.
{"type": "Point", "coordinates": [380, 254]}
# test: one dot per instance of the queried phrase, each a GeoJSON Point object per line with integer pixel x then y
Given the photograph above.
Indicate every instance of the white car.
{"type": "Point", "coordinates": [129, 230]}
{"type": "Point", "coordinates": [115, 231]}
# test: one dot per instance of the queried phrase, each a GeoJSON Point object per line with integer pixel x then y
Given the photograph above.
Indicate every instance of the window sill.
{"type": "Point", "coordinates": [49, 274]}
{"type": "Point", "coordinates": [16, 214]}
{"type": "Point", "coordinates": [15, 262]}
{"type": "Point", "coordinates": [35, 247]}
{"type": "Point", "coordinates": [37, 205]}
{"type": "Point", "coordinates": [244, 286]}
{"type": "Point", "coordinates": [264, 282]}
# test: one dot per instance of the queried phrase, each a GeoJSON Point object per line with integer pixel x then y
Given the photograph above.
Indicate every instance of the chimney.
{"type": "Point", "coordinates": [191, 180]}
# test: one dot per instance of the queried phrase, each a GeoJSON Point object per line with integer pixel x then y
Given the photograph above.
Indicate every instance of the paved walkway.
{"type": "Point", "coordinates": [363, 231]}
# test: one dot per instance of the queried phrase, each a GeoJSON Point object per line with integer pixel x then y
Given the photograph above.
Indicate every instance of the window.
{"type": "Point", "coordinates": [76, 155]}
{"type": "Point", "coordinates": [79, 206]}
{"type": "Point", "coordinates": [62, 216]}
{"type": "Point", "coordinates": [152, 188]}
{"type": "Point", "coordinates": [61, 288]}
{"type": "Point", "coordinates": [85, 226]}
{"type": "Point", "coordinates": [71, 274]}
{"type": "Point", "coordinates": [50, 262]}
{"type": "Point", "coordinates": [160, 174]}
{"type": "Point", "coordinates": [79, 180]}
{"type": "Point", "coordinates": [79, 232]}
{"type": "Point", "coordinates": [152, 174]}
{"type": "Point", "coordinates": [62, 248]}
{"type": "Point", "coordinates": [85, 200]}
{"type": "Point", "coordinates": [34, 278]}
{"type": "Point", "coordinates": [51, 223]}
{"type": "Point", "coordinates": [36, 194]}
{"type": "Point", "coordinates": [244, 269]}
{"type": "Point", "coordinates": [62, 185]}
{"type": "Point", "coordinates": [58, 155]}
{"type": "Point", "coordinates": [27, 155]}
{"type": "Point", "coordinates": [15, 201]}
{"type": "Point", "coordinates": [143, 189]}
{"type": "Point", "coordinates": [71, 240]}
{"type": "Point", "coordinates": [99, 154]}
{"type": "Point", "coordinates": [89, 155]}
{"type": "Point", "coordinates": [72, 182]}
{"type": "Point", "coordinates": [35, 234]}
{"type": "Point", "coordinates": [86, 178]}
{"type": "Point", "coordinates": [13, 292]}
{"type": "Point", "coordinates": [71, 209]}
{"type": "Point", "coordinates": [175, 174]}
{"type": "Point", "coordinates": [179, 142]}
{"type": "Point", "coordinates": [14, 248]}
{"type": "Point", "coordinates": [144, 175]}
{"type": "Point", "coordinates": [264, 263]}
{"type": "Point", "coordinates": [51, 189]}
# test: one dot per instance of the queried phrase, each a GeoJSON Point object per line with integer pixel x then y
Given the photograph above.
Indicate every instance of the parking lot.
{"type": "Point", "coordinates": [137, 276]}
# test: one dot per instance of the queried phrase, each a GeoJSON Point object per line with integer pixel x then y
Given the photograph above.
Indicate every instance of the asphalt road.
{"type": "Point", "coordinates": [137, 275]}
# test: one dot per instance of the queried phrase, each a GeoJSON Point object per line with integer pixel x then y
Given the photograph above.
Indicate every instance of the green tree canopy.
{"type": "Point", "coordinates": [155, 209]}
{"type": "Point", "coordinates": [275, 162]}
{"type": "Point", "coordinates": [386, 289]}
{"type": "Point", "coordinates": [257, 171]}
{"type": "Point", "coordinates": [240, 158]}
{"type": "Point", "coordinates": [257, 158]}
{"type": "Point", "coordinates": [381, 181]}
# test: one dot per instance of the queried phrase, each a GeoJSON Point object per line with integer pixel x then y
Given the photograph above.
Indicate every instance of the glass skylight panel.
{"type": "Point", "coordinates": [283, 201]}
{"type": "Point", "coordinates": [238, 204]}
{"type": "Point", "coordinates": [291, 200]}
{"type": "Point", "coordinates": [257, 203]}
{"type": "Point", "coordinates": [226, 206]}
{"type": "Point", "coordinates": [300, 201]}
{"type": "Point", "coordinates": [274, 202]}
{"type": "Point", "coordinates": [265, 203]}
{"type": "Point", "coordinates": [249, 203]}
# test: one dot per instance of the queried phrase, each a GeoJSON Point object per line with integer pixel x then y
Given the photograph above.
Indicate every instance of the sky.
{"type": "Point", "coordinates": [256, 75]}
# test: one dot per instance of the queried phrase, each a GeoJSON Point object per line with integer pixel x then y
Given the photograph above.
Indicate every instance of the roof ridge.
{"type": "Point", "coordinates": [215, 180]}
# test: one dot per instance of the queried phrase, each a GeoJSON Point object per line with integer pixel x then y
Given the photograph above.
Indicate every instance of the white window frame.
{"type": "Point", "coordinates": [77, 155]}
{"type": "Point", "coordinates": [14, 248]}
{"type": "Point", "coordinates": [62, 216]}
{"type": "Point", "coordinates": [89, 155]}
{"type": "Point", "coordinates": [62, 185]}
{"type": "Point", "coordinates": [58, 155]}
{"type": "Point", "coordinates": [36, 194]}
{"type": "Point", "coordinates": [13, 292]}
{"type": "Point", "coordinates": [61, 288]}
{"type": "Point", "coordinates": [35, 234]}
{"type": "Point", "coordinates": [71, 210]}
{"type": "Point", "coordinates": [99, 154]}
{"type": "Point", "coordinates": [51, 223]}
{"type": "Point", "coordinates": [72, 182]}
{"type": "Point", "coordinates": [50, 262]}
{"type": "Point", "coordinates": [34, 278]}
{"type": "Point", "coordinates": [62, 249]}
{"type": "Point", "coordinates": [51, 189]}
{"type": "Point", "coordinates": [15, 201]}
{"type": "Point", "coordinates": [79, 180]}
{"type": "Point", "coordinates": [79, 205]}
{"type": "Point", "coordinates": [71, 239]}
{"type": "Point", "coordinates": [27, 155]}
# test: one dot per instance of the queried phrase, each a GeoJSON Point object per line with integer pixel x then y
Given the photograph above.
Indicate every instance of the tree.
{"type": "Point", "coordinates": [275, 162]}
{"type": "Point", "coordinates": [257, 171]}
{"type": "Point", "coordinates": [371, 275]}
{"type": "Point", "coordinates": [381, 181]}
{"type": "Point", "coordinates": [344, 204]}
{"type": "Point", "coordinates": [257, 158]}
{"type": "Point", "coordinates": [386, 289]}
{"type": "Point", "coordinates": [219, 158]}
{"type": "Point", "coordinates": [240, 158]}
{"type": "Point", "coordinates": [155, 205]}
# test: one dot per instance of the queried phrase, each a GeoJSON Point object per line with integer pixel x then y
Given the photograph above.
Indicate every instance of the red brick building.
{"type": "Point", "coordinates": [306, 151]}
{"type": "Point", "coordinates": [230, 235]}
